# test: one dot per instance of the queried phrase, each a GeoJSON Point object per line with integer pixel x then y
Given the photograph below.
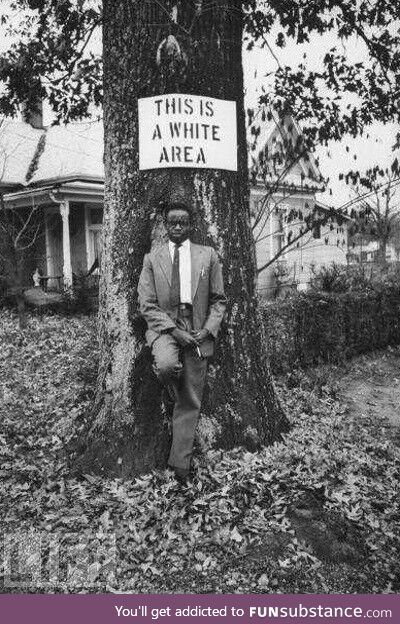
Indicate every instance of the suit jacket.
{"type": "Point", "coordinates": [208, 297]}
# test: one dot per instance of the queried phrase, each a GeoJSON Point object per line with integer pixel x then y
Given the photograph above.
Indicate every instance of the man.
{"type": "Point", "coordinates": [181, 297]}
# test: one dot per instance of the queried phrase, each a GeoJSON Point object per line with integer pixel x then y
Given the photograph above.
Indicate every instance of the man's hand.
{"type": "Point", "coordinates": [200, 335]}
{"type": "Point", "coordinates": [184, 338]}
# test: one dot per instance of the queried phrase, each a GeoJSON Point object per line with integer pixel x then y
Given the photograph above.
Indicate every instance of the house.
{"type": "Point", "coordinates": [367, 252]}
{"type": "Point", "coordinates": [281, 200]}
{"type": "Point", "coordinates": [59, 169]}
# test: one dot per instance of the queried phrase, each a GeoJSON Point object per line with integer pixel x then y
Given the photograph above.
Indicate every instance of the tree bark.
{"type": "Point", "coordinates": [130, 429]}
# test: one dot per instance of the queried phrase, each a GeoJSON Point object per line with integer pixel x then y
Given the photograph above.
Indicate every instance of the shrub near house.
{"type": "Point", "coordinates": [358, 315]}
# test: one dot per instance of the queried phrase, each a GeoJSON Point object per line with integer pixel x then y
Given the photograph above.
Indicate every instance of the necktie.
{"type": "Point", "coordinates": [175, 293]}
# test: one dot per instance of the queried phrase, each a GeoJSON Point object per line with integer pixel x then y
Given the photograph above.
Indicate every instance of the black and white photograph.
{"type": "Point", "coordinates": [200, 303]}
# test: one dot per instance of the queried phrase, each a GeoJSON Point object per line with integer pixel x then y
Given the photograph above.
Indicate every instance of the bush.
{"type": "Point", "coordinates": [315, 327]}
{"type": "Point", "coordinates": [334, 278]}
{"type": "Point", "coordinates": [84, 297]}
{"type": "Point", "coordinates": [337, 278]}
{"type": "Point", "coordinates": [3, 292]}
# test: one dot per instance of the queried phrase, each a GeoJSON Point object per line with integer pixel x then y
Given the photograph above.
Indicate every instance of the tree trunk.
{"type": "Point", "coordinates": [130, 431]}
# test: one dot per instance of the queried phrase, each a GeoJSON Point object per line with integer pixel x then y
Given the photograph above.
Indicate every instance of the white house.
{"type": "Point", "coordinates": [281, 199]}
{"type": "Point", "coordinates": [368, 253]}
{"type": "Point", "coordinates": [60, 170]}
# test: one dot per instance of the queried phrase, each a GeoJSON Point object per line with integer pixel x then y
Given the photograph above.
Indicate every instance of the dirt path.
{"type": "Point", "coordinates": [372, 387]}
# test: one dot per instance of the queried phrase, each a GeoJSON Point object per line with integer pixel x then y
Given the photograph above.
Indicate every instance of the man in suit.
{"type": "Point", "coordinates": [181, 298]}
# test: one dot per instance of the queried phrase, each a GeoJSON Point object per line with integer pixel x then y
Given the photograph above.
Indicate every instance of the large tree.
{"type": "Point", "coordinates": [166, 46]}
{"type": "Point", "coordinates": [197, 54]}
{"type": "Point", "coordinates": [51, 41]}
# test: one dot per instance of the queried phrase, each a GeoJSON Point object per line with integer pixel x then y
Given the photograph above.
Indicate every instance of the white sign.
{"type": "Point", "coordinates": [178, 130]}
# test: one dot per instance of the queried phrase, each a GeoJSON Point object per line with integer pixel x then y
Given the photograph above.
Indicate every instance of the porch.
{"type": "Point", "coordinates": [72, 215]}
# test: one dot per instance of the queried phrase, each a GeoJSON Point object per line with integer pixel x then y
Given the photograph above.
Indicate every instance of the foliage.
{"type": "Point", "coordinates": [237, 527]}
{"type": "Point", "coordinates": [21, 234]}
{"type": "Point", "coordinates": [83, 299]}
{"type": "Point", "coordinates": [50, 57]}
{"type": "Point", "coordinates": [318, 95]}
{"type": "Point", "coordinates": [53, 58]}
{"type": "Point", "coordinates": [21, 243]}
{"type": "Point", "coordinates": [337, 278]}
{"type": "Point", "coordinates": [52, 51]}
{"type": "Point", "coordinates": [314, 327]}
{"type": "Point", "coordinates": [3, 290]}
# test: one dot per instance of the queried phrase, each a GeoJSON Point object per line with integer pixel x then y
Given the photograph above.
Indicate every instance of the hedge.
{"type": "Point", "coordinates": [311, 328]}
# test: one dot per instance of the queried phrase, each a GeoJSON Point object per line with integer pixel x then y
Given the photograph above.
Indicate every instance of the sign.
{"type": "Point", "coordinates": [178, 130]}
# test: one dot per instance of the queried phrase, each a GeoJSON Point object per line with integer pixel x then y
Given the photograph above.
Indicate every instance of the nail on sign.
{"type": "Point", "coordinates": [178, 130]}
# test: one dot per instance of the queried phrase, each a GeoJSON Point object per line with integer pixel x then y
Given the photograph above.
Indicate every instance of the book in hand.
{"type": "Point", "coordinates": [206, 348]}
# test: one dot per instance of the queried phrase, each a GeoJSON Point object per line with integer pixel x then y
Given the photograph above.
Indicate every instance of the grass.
{"type": "Point", "coordinates": [316, 513]}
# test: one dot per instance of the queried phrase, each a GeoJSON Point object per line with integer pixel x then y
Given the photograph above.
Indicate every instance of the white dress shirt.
{"type": "Point", "coordinates": [185, 269]}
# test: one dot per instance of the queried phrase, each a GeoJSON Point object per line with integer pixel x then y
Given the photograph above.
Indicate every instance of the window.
{"type": "Point", "coordinates": [278, 156]}
{"type": "Point", "coordinates": [150, 13]}
{"type": "Point", "coordinates": [95, 244]}
{"type": "Point", "coordinates": [94, 227]}
{"type": "Point", "coordinates": [96, 216]}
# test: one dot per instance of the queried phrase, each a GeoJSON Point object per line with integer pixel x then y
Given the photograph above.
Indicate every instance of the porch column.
{"type": "Point", "coordinates": [87, 238]}
{"type": "Point", "coordinates": [271, 234]}
{"type": "Point", "coordinates": [47, 239]}
{"type": "Point", "coordinates": [67, 266]}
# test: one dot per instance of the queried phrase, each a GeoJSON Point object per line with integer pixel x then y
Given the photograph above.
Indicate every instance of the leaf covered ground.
{"type": "Point", "coordinates": [318, 512]}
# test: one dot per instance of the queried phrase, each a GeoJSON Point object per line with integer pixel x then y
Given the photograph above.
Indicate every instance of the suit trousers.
{"type": "Point", "coordinates": [184, 370]}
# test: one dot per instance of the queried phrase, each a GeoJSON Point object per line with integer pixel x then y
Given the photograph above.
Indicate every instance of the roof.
{"type": "Point", "coordinates": [37, 157]}
{"type": "Point", "coordinates": [88, 190]}
{"type": "Point", "coordinates": [18, 143]}
{"type": "Point", "coordinates": [322, 206]}
{"type": "Point", "coordinates": [304, 174]}
{"type": "Point", "coordinates": [75, 150]}
{"type": "Point", "coordinates": [32, 156]}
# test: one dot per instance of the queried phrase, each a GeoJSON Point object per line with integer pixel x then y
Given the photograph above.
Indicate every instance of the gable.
{"type": "Point", "coordinates": [277, 143]}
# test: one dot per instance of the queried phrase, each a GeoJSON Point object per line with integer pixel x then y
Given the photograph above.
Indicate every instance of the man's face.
{"type": "Point", "coordinates": [178, 225]}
